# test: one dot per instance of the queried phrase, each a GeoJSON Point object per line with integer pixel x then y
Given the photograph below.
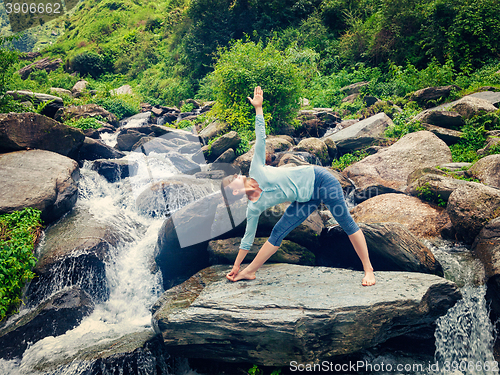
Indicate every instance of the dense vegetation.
{"type": "Point", "coordinates": [18, 234]}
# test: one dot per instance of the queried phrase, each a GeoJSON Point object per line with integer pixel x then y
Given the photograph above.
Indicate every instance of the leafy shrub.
{"type": "Point", "coordinates": [118, 106]}
{"type": "Point", "coordinates": [403, 122]}
{"type": "Point", "coordinates": [18, 234]}
{"type": "Point", "coordinates": [473, 138]}
{"type": "Point", "coordinates": [246, 65]}
{"type": "Point", "coordinates": [85, 123]}
{"type": "Point", "coordinates": [8, 58]}
{"type": "Point", "coordinates": [347, 159]}
{"type": "Point", "coordinates": [427, 193]}
{"type": "Point", "coordinates": [90, 63]}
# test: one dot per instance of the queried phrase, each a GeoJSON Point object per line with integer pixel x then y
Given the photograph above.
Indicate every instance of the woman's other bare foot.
{"type": "Point", "coordinates": [369, 279]}
{"type": "Point", "coordinates": [243, 275]}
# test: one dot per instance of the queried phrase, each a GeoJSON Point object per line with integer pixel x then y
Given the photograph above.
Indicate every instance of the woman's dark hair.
{"type": "Point", "coordinates": [223, 186]}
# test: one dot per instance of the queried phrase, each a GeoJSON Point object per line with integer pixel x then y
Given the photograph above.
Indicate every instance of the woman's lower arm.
{"type": "Point", "coordinates": [239, 258]}
{"type": "Point", "coordinates": [259, 111]}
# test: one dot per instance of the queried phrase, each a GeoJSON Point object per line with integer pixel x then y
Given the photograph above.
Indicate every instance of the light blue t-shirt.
{"type": "Point", "coordinates": [278, 184]}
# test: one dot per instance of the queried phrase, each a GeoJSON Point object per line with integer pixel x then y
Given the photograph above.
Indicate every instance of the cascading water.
{"type": "Point", "coordinates": [133, 287]}
{"type": "Point", "coordinates": [464, 335]}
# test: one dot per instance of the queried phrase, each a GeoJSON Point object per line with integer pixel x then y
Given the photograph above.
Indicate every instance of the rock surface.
{"type": "Point", "coordinates": [58, 314]}
{"type": "Point", "coordinates": [487, 170]}
{"type": "Point", "coordinates": [469, 107]}
{"type": "Point", "coordinates": [388, 169]}
{"type": "Point", "coordinates": [225, 252]}
{"type": "Point", "coordinates": [361, 134]}
{"type": "Point", "coordinates": [287, 314]}
{"type": "Point", "coordinates": [21, 131]}
{"type": "Point", "coordinates": [84, 111]}
{"type": "Point", "coordinates": [421, 219]}
{"type": "Point", "coordinates": [39, 179]}
{"type": "Point", "coordinates": [470, 207]}
{"type": "Point", "coordinates": [315, 147]}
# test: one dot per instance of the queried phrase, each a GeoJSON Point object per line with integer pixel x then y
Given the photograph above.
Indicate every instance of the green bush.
{"type": "Point", "coordinates": [18, 233]}
{"type": "Point", "coordinates": [403, 122]}
{"type": "Point", "coordinates": [118, 106]}
{"type": "Point", "coordinates": [347, 159]}
{"type": "Point", "coordinates": [246, 65]}
{"type": "Point", "coordinates": [8, 58]}
{"type": "Point", "coordinates": [473, 139]}
{"type": "Point", "coordinates": [91, 63]}
{"type": "Point", "coordinates": [85, 123]}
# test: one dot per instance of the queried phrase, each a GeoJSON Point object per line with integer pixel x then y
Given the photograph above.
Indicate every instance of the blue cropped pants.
{"type": "Point", "coordinates": [327, 189]}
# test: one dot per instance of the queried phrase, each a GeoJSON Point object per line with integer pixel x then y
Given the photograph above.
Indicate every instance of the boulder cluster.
{"type": "Point", "coordinates": [307, 302]}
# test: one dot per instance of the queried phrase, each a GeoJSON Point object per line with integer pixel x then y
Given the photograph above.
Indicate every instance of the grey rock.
{"type": "Point", "coordinates": [227, 156]}
{"type": "Point", "coordinates": [138, 120]}
{"type": "Point", "coordinates": [448, 136]}
{"type": "Point", "coordinates": [122, 90]}
{"type": "Point", "coordinates": [440, 185]}
{"type": "Point", "coordinates": [84, 111]}
{"type": "Point", "coordinates": [212, 130]}
{"type": "Point", "coordinates": [114, 170]}
{"type": "Point", "coordinates": [362, 133]}
{"type": "Point", "coordinates": [388, 169]}
{"type": "Point", "coordinates": [182, 163]}
{"type": "Point", "coordinates": [492, 97]}
{"type": "Point", "coordinates": [287, 314]}
{"type": "Point", "coordinates": [93, 149]}
{"type": "Point", "coordinates": [53, 317]}
{"type": "Point", "coordinates": [354, 88]}
{"type": "Point", "coordinates": [225, 252]}
{"type": "Point", "coordinates": [21, 131]}
{"type": "Point", "coordinates": [421, 219]}
{"type": "Point", "coordinates": [53, 103]}
{"type": "Point", "coordinates": [79, 87]}
{"type": "Point", "coordinates": [423, 96]}
{"type": "Point", "coordinates": [487, 170]}
{"type": "Point", "coordinates": [472, 206]}
{"type": "Point", "coordinates": [40, 179]}
{"type": "Point", "coordinates": [46, 64]}
{"type": "Point", "coordinates": [126, 141]}
{"type": "Point", "coordinates": [223, 143]}
{"type": "Point", "coordinates": [59, 91]}
{"type": "Point", "coordinates": [469, 107]}
{"type": "Point", "coordinates": [316, 147]}
{"type": "Point", "coordinates": [443, 119]}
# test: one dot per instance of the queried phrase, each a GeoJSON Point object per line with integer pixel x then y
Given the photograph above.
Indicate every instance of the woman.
{"type": "Point", "coordinates": [304, 186]}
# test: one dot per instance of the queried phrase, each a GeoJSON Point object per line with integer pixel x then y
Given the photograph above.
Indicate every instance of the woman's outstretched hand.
{"type": "Point", "coordinates": [258, 97]}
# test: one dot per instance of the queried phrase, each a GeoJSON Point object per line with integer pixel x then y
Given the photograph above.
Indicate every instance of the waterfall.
{"type": "Point", "coordinates": [464, 335]}
{"type": "Point", "coordinates": [133, 287]}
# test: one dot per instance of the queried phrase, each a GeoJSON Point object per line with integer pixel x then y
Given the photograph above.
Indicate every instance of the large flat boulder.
{"type": "Point", "coordinates": [421, 219]}
{"type": "Point", "coordinates": [295, 313]}
{"type": "Point", "coordinates": [39, 179]}
{"type": "Point", "coordinates": [22, 131]}
{"type": "Point", "coordinates": [361, 134]}
{"type": "Point", "coordinates": [388, 169]}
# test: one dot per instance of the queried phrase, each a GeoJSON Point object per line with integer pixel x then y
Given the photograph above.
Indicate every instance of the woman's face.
{"type": "Point", "coordinates": [237, 185]}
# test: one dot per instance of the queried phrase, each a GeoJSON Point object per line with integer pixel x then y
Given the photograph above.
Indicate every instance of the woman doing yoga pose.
{"type": "Point", "coordinates": [305, 186]}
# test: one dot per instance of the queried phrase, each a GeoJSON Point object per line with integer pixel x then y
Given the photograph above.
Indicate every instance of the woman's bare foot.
{"type": "Point", "coordinates": [243, 275]}
{"type": "Point", "coordinates": [369, 279]}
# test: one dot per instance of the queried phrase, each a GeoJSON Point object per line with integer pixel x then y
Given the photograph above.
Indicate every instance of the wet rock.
{"type": "Point", "coordinates": [424, 96]}
{"type": "Point", "coordinates": [74, 252]}
{"type": "Point", "coordinates": [472, 206]}
{"type": "Point", "coordinates": [141, 352]}
{"type": "Point", "coordinates": [388, 169]}
{"type": "Point", "coordinates": [315, 147]}
{"type": "Point", "coordinates": [225, 252]}
{"type": "Point", "coordinates": [164, 197]}
{"type": "Point", "coordinates": [22, 131]}
{"type": "Point", "coordinates": [487, 170]}
{"type": "Point", "coordinates": [84, 111]}
{"type": "Point", "coordinates": [181, 250]}
{"type": "Point", "coordinates": [53, 317]}
{"type": "Point", "coordinates": [287, 314]}
{"type": "Point", "coordinates": [392, 247]}
{"type": "Point", "coordinates": [137, 121]}
{"type": "Point", "coordinates": [486, 247]}
{"type": "Point", "coordinates": [93, 149]}
{"type": "Point", "coordinates": [361, 134]}
{"type": "Point", "coordinates": [114, 170]}
{"type": "Point", "coordinates": [182, 163]}
{"type": "Point", "coordinates": [469, 107]}
{"type": "Point", "coordinates": [126, 141]}
{"type": "Point", "coordinates": [420, 218]}
{"type": "Point", "coordinates": [39, 179]}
